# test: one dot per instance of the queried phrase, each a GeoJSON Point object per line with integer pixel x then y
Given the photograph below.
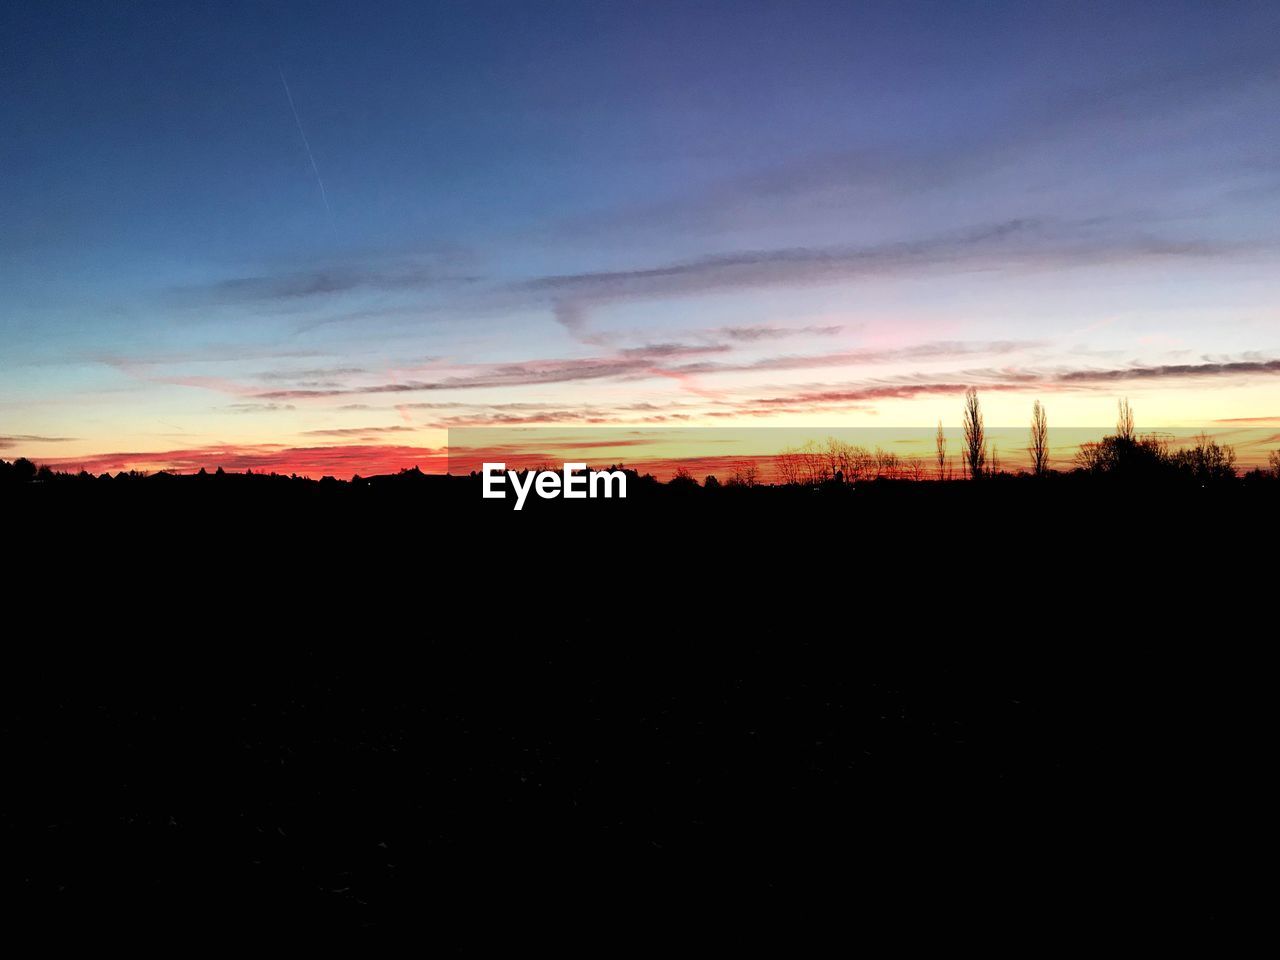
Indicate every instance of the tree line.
{"type": "Point", "coordinates": [1122, 454]}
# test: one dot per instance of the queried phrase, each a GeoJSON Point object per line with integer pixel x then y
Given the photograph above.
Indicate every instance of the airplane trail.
{"type": "Point", "coordinates": [311, 156]}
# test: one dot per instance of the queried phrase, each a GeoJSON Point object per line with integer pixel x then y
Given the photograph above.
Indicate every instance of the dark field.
{"type": "Point", "coordinates": [1005, 709]}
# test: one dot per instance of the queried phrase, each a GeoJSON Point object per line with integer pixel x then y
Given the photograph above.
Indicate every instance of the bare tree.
{"type": "Point", "coordinates": [787, 467]}
{"type": "Point", "coordinates": [1124, 425]}
{"type": "Point", "coordinates": [747, 475]}
{"type": "Point", "coordinates": [940, 444]}
{"type": "Point", "coordinates": [975, 442]}
{"type": "Point", "coordinates": [1273, 461]}
{"type": "Point", "coordinates": [887, 464]}
{"type": "Point", "coordinates": [1039, 448]}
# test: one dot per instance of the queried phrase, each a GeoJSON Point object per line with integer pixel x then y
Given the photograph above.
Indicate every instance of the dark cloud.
{"type": "Point", "coordinates": [357, 431]}
{"type": "Point", "coordinates": [1172, 371]}
{"type": "Point", "coordinates": [8, 442]}
{"type": "Point", "coordinates": [667, 351]}
{"type": "Point", "coordinates": [752, 334]}
{"type": "Point", "coordinates": [325, 281]}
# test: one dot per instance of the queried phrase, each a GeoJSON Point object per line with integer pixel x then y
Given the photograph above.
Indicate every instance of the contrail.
{"type": "Point", "coordinates": [323, 195]}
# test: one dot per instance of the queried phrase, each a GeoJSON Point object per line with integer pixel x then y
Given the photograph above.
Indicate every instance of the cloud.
{"type": "Point", "coordinates": [667, 351]}
{"type": "Point", "coordinates": [326, 281]}
{"type": "Point", "coordinates": [571, 316]}
{"type": "Point", "coordinates": [496, 375]}
{"type": "Point", "coordinates": [939, 350]}
{"type": "Point", "coordinates": [651, 360]}
{"type": "Point", "coordinates": [754, 333]}
{"type": "Point", "coordinates": [1138, 105]}
{"type": "Point", "coordinates": [1021, 243]}
{"type": "Point", "coordinates": [8, 442]}
{"type": "Point", "coordinates": [357, 431]}
{"type": "Point", "coordinates": [1179, 371]}
{"type": "Point", "coordinates": [315, 373]}
{"type": "Point", "coordinates": [908, 387]}
{"type": "Point", "coordinates": [259, 407]}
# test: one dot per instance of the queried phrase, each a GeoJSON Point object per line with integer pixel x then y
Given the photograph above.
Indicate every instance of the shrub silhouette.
{"type": "Point", "coordinates": [683, 481]}
{"type": "Point", "coordinates": [1207, 461]}
{"type": "Point", "coordinates": [1125, 456]}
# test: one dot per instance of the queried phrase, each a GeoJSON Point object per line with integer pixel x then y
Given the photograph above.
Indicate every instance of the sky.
{"type": "Point", "coordinates": [315, 237]}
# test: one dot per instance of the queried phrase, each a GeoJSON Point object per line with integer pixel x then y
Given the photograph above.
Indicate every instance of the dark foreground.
{"type": "Point", "coordinates": [995, 716]}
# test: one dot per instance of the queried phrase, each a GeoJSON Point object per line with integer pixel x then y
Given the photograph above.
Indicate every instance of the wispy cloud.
{"type": "Point", "coordinates": [1023, 243]}
{"type": "Point", "coordinates": [315, 283]}
{"type": "Point", "coordinates": [1003, 379]}
{"type": "Point", "coordinates": [758, 332]}
{"type": "Point", "coordinates": [1179, 371]}
{"type": "Point", "coordinates": [14, 440]}
{"type": "Point", "coordinates": [650, 361]}
{"type": "Point", "coordinates": [1139, 101]}
{"type": "Point", "coordinates": [259, 407]}
{"type": "Point", "coordinates": [357, 431]}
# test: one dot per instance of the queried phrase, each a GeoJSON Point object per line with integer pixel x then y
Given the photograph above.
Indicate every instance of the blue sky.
{"type": "Point", "coordinates": [701, 211]}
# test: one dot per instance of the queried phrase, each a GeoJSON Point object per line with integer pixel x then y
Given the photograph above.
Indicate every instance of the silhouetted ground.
{"type": "Point", "coordinates": [1026, 712]}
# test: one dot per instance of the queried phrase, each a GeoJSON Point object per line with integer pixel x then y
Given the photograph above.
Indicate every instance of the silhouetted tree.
{"type": "Point", "coordinates": [682, 481]}
{"type": "Point", "coordinates": [786, 465]}
{"type": "Point", "coordinates": [1128, 457]}
{"type": "Point", "coordinates": [1039, 448]}
{"type": "Point", "coordinates": [1206, 460]}
{"type": "Point", "coordinates": [975, 443]}
{"type": "Point", "coordinates": [24, 471]}
{"type": "Point", "coordinates": [1273, 461]}
{"type": "Point", "coordinates": [1124, 425]}
{"type": "Point", "coordinates": [711, 483]}
{"type": "Point", "coordinates": [940, 446]}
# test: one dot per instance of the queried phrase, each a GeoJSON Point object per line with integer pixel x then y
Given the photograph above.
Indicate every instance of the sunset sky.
{"type": "Point", "coordinates": [313, 238]}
